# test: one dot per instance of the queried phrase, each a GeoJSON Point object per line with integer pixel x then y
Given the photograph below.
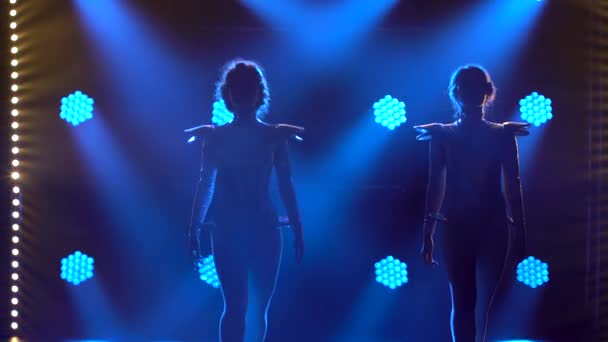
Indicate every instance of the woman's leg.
{"type": "Point", "coordinates": [460, 250]}
{"type": "Point", "coordinates": [265, 260]}
{"type": "Point", "coordinates": [492, 261]}
{"type": "Point", "coordinates": [230, 263]}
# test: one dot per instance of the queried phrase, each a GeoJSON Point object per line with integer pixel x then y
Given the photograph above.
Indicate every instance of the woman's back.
{"type": "Point", "coordinates": [473, 160]}
{"type": "Point", "coordinates": [244, 157]}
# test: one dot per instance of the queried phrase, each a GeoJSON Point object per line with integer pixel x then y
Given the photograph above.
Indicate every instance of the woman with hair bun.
{"type": "Point", "coordinates": [237, 162]}
{"type": "Point", "coordinates": [468, 159]}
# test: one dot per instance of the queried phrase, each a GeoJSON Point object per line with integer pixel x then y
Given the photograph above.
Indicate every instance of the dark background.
{"type": "Point", "coordinates": [119, 187]}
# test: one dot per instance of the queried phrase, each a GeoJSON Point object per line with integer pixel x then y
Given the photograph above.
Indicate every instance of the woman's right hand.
{"type": "Point", "coordinates": [193, 243]}
{"type": "Point", "coordinates": [428, 249]}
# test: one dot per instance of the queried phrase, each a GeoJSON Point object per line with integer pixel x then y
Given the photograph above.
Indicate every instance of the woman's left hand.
{"type": "Point", "coordinates": [428, 249]}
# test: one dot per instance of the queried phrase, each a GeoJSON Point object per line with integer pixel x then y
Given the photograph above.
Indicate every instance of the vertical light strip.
{"type": "Point", "coordinates": [16, 203]}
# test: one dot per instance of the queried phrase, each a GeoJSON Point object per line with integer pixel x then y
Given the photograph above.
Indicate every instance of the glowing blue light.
{"type": "Point", "coordinates": [76, 108]}
{"type": "Point", "coordinates": [533, 272]}
{"type": "Point", "coordinates": [77, 268]}
{"type": "Point", "coordinates": [207, 271]}
{"type": "Point", "coordinates": [536, 109]}
{"type": "Point", "coordinates": [221, 114]}
{"type": "Point", "coordinates": [389, 112]}
{"type": "Point", "coordinates": [391, 272]}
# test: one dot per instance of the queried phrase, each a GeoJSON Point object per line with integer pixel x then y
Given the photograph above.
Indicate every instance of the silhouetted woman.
{"type": "Point", "coordinates": [237, 161]}
{"type": "Point", "coordinates": [467, 160]}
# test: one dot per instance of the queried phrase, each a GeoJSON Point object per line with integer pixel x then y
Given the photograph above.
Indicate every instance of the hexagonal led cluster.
{"type": "Point", "coordinates": [77, 268]}
{"type": "Point", "coordinates": [533, 272]}
{"type": "Point", "coordinates": [221, 114]}
{"type": "Point", "coordinates": [536, 109]}
{"type": "Point", "coordinates": [208, 273]}
{"type": "Point", "coordinates": [391, 272]}
{"type": "Point", "coordinates": [389, 112]}
{"type": "Point", "coordinates": [76, 108]}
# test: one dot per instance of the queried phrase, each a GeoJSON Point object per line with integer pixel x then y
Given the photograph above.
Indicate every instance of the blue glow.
{"type": "Point", "coordinates": [221, 114]}
{"type": "Point", "coordinates": [208, 273]}
{"type": "Point", "coordinates": [391, 272]}
{"type": "Point", "coordinates": [533, 272]}
{"type": "Point", "coordinates": [390, 112]}
{"type": "Point", "coordinates": [76, 108]}
{"type": "Point", "coordinates": [536, 109]}
{"type": "Point", "coordinates": [77, 268]}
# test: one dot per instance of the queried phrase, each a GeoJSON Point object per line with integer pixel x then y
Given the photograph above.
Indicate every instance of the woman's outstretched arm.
{"type": "Point", "coordinates": [288, 195]}
{"type": "Point", "coordinates": [435, 193]}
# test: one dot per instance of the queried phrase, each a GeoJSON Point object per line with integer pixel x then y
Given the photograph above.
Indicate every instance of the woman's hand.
{"type": "Point", "coordinates": [428, 248]}
{"type": "Point", "coordinates": [193, 243]}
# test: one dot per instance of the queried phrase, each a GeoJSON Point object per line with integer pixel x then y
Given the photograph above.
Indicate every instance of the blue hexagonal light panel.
{"type": "Point", "coordinates": [390, 112]}
{"type": "Point", "coordinates": [533, 272]}
{"type": "Point", "coordinates": [221, 115]}
{"type": "Point", "coordinates": [391, 272]}
{"type": "Point", "coordinates": [207, 271]}
{"type": "Point", "coordinates": [77, 268]}
{"type": "Point", "coordinates": [536, 109]}
{"type": "Point", "coordinates": [76, 108]}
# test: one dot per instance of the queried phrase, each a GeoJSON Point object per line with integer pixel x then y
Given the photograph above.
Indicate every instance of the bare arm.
{"type": "Point", "coordinates": [204, 189]}
{"type": "Point", "coordinates": [435, 191]}
{"type": "Point", "coordinates": [512, 183]}
{"type": "Point", "coordinates": [286, 189]}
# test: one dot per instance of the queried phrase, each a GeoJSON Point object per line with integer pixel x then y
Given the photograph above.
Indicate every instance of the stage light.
{"type": "Point", "coordinates": [15, 264]}
{"type": "Point", "coordinates": [14, 62]}
{"type": "Point", "coordinates": [15, 150]}
{"type": "Point", "coordinates": [16, 202]}
{"type": "Point", "coordinates": [14, 50]}
{"type": "Point", "coordinates": [13, 1]}
{"type": "Point", "coordinates": [15, 100]}
{"type": "Point", "coordinates": [13, 25]}
{"type": "Point", "coordinates": [389, 112]}
{"type": "Point", "coordinates": [14, 301]}
{"type": "Point", "coordinates": [14, 37]}
{"type": "Point", "coordinates": [15, 214]}
{"type": "Point", "coordinates": [77, 268]}
{"type": "Point", "coordinates": [14, 75]}
{"type": "Point", "coordinates": [14, 112]}
{"type": "Point", "coordinates": [14, 289]}
{"type": "Point", "coordinates": [536, 109]}
{"type": "Point", "coordinates": [15, 163]}
{"type": "Point", "coordinates": [76, 108]}
{"type": "Point", "coordinates": [14, 313]}
{"type": "Point", "coordinates": [15, 251]}
{"type": "Point", "coordinates": [207, 272]}
{"type": "Point", "coordinates": [15, 227]}
{"type": "Point", "coordinates": [15, 239]}
{"type": "Point", "coordinates": [15, 175]}
{"type": "Point", "coordinates": [12, 13]}
{"type": "Point", "coordinates": [220, 114]}
{"type": "Point", "coordinates": [15, 137]}
{"type": "Point", "coordinates": [14, 87]}
{"type": "Point", "coordinates": [15, 276]}
{"type": "Point", "coordinates": [391, 272]}
{"type": "Point", "coordinates": [14, 325]}
{"type": "Point", "coordinates": [533, 272]}
{"type": "Point", "coordinates": [16, 189]}
{"type": "Point", "coordinates": [15, 125]}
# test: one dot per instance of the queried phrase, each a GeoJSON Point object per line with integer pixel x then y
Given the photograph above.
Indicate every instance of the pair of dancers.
{"type": "Point", "coordinates": [467, 160]}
